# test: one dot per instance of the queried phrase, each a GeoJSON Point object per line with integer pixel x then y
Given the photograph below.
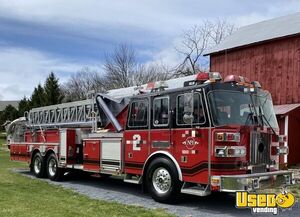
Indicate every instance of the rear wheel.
{"type": "Point", "coordinates": [162, 180]}
{"type": "Point", "coordinates": [53, 171]}
{"type": "Point", "coordinates": [38, 166]}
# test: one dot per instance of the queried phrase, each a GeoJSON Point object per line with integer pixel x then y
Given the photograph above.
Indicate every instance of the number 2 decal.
{"type": "Point", "coordinates": [136, 142]}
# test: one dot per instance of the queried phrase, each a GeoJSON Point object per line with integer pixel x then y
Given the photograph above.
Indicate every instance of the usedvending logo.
{"type": "Point", "coordinates": [265, 203]}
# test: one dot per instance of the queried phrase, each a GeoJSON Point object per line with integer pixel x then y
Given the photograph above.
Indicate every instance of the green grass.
{"type": "Point", "coordinates": [296, 191]}
{"type": "Point", "coordinates": [23, 196]}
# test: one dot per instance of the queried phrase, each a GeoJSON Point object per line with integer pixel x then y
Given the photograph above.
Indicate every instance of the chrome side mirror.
{"type": "Point", "coordinates": [188, 111]}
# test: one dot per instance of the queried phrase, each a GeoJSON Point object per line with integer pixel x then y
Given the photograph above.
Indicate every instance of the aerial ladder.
{"type": "Point", "coordinates": [95, 112]}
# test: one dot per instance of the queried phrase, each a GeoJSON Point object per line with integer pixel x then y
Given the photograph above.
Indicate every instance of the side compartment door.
{"type": "Point", "coordinates": [91, 155]}
{"type": "Point", "coordinates": [110, 159]}
{"type": "Point", "coordinates": [136, 136]}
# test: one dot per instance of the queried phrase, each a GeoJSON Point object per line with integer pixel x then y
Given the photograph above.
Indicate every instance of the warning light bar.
{"type": "Point", "coordinates": [208, 76]}
{"type": "Point", "coordinates": [204, 77]}
{"type": "Point", "coordinates": [240, 80]}
{"type": "Point", "coordinates": [157, 86]}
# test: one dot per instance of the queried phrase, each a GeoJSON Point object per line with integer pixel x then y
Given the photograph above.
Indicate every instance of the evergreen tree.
{"type": "Point", "coordinates": [38, 97]}
{"type": "Point", "coordinates": [53, 93]}
{"type": "Point", "coordinates": [24, 105]}
{"type": "Point", "coordinates": [9, 113]}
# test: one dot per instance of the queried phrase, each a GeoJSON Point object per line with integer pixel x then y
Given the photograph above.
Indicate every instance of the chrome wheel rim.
{"type": "Point", "coordinates": [37, 165]}
{"type": "Point", "coordinates": [52, 167]}
{"type": "Point", "coordinates": [161, 180]}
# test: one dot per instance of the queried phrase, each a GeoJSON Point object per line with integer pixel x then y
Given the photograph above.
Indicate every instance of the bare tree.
{"type": "Point", "coordinates": [150, 73]}
{"type": "Point", "coordinates": [194, 43]}
{"type": "Point", "coordinates": [81, 83]}
{"type": "Point", "coordinates": [196, 40]}
{"type": "Point", "coordinates": [221, 29]}
{"type": "Point", "coordinates": [120, 66]}
{"type": "Point", "coordinates": [123, 70]}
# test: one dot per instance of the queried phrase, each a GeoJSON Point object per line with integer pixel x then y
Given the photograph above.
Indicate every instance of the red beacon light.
{"type": "Point", "coordinates": [243, 81]}
{"type": "Point", "coordinates": [204, 77]}
{"type": "Point", "coordinates": [236, 79]}
{"type": "Point", "coordinates": [208, 76]}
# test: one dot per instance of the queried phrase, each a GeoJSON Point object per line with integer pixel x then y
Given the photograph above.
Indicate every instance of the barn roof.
{"type": "Point", "coordinates": [263, 31]}
{"type": "Point", "coordinates": [284, 109]}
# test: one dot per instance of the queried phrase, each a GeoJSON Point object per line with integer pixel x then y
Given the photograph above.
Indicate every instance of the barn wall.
{"type": "Point", "coordinates": [294, 137]}
{"type": "Point", "coordinates": [275, 64]}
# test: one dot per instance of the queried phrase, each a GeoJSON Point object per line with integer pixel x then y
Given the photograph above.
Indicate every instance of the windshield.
{"type": "Point", "coordinates": [233, 107]}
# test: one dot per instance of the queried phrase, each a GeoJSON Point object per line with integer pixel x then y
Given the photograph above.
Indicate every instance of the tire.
{"type": "Point", "coordinates": [54, 173]}
{"type": "Point", "coordinates": [162, 180]}
{"type": "Point", "coordinates": [38, 166]}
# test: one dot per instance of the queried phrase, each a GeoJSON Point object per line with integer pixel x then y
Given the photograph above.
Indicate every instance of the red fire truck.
{"type": "Point", "coordinates": [194, 135]}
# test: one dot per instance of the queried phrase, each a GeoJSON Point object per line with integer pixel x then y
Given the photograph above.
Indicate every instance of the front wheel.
{"type": "Point", "coordinates": [53, 171]}
{"type": "Point", "coordinates": [163, 181]}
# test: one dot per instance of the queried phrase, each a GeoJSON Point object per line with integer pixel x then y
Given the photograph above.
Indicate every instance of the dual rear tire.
{"type": "Point", "coordinates": [38, 166]}
{"type": "Point", "coordinates": [54, 173]}
{"type": "Point", "coordinates": [47, 167]}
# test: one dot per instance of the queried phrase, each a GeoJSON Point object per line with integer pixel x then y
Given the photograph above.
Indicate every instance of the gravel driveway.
{"type": "Point", "coordinates": [111, 189]}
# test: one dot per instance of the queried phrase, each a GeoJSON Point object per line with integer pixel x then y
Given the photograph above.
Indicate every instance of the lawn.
{"type": "Point", "coordinates": [296, 191]}
{"type": "Point", "coordinates": [23, 196]}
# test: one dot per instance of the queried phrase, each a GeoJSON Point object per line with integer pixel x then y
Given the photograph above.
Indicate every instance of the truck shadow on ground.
{"type": "Point", "coordinates": [114, 189]}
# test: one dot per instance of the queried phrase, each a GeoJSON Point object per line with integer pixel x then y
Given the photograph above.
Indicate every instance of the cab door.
{"type": "Point", "coordinates": [160, 134]}
{"type": "Point", "coordinates": [191, 135]}
{"type": "Point", "coordinates": [136, 135]}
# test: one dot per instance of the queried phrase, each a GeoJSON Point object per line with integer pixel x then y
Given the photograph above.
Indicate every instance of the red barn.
{"type": "Point", "coordinates": [269, 52]}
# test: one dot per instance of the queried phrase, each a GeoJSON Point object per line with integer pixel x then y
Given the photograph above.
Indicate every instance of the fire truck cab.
{"type": "Point", "coordinates": [192, 135]}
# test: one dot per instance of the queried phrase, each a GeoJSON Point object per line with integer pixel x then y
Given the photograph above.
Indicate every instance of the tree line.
{"type": "Point", "coordinates": [48, 94]}
{"type": "Point", "coordinates": [121, 69]}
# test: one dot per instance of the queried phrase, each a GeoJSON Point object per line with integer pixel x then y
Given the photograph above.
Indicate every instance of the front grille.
{"type": "Point", "coordinates": [260, 148]}
{"type": "Point", "coordinates": [259, 169]}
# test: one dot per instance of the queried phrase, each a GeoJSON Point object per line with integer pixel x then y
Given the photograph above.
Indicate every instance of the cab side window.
{"type": "Point", "coordinates": [161, 111]}
{"type": "Point", "coordinates": [138, 115]}
{"type": "Point", "coordinates": [198, 114]}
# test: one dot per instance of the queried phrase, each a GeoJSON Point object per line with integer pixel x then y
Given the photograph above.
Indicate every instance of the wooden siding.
{"type": "Point", "coordinates": [275, 64]}
{"type": "Point", "coordinates": [294, 137]}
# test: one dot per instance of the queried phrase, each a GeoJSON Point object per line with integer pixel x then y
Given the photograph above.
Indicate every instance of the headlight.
{"type": "Point", "coordinates": [230, 151]}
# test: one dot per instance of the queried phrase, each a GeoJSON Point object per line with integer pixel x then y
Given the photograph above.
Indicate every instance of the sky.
{"type": "Point", "coordinates": [37, 37]}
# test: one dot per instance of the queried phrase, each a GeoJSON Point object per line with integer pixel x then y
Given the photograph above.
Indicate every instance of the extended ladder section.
{"type": "Point", "coordinates": [85, 113]}
{"type": "Point", "coordinates": [80, 113]}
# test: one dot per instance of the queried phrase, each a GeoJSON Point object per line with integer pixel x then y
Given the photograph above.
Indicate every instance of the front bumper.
{"type": "Point", "coordinates": [252, 182]}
